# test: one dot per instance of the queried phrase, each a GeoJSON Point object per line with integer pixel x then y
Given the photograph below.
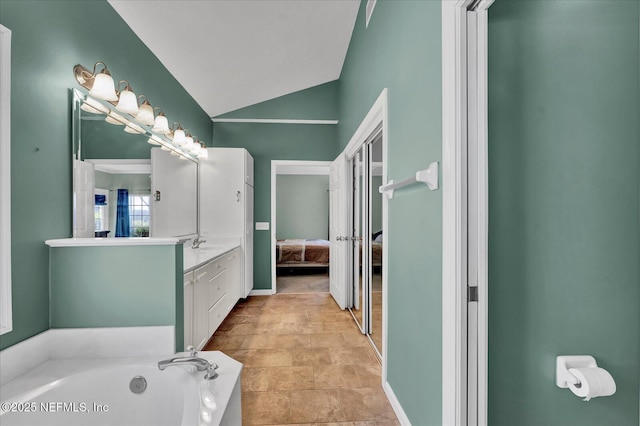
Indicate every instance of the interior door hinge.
{"type": "Point", "coordinates": [472, 294]}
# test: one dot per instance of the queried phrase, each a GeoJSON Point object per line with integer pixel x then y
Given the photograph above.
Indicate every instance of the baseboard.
{"type": "Point", "coordinates": [266, 292]}
{"type": "Point", "coordinates": [395, 404]}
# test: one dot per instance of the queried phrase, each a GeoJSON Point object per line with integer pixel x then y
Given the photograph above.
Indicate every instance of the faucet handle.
{"type": "Point", "coordinates": [192, 351]}
{"type": "Point", "coordinates": [211, 371]}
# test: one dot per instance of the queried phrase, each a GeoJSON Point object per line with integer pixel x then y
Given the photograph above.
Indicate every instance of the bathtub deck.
{"type": "Point", "coordinates": [305, 362]}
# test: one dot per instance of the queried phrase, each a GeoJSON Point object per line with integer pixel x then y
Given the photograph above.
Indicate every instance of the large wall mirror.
{"type": "Point", "coordinates": [124, 186]}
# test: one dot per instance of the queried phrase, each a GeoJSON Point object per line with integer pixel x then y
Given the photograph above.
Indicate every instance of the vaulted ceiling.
{"type": "Point", "coordinates": [229, 54]}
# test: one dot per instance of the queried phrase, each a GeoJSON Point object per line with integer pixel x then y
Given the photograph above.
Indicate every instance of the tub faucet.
{"type": "Point", "coordinates": [196, 242]}
{"type": "Point", "coordinates": [200, 364]}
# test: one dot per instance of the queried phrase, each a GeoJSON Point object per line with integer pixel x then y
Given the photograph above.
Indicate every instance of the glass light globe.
{"type": "Point", "coordinates": [103, 87]}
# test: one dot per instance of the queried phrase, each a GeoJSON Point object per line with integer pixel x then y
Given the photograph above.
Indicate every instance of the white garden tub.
{"type": "Point", "coordinates": [97, 392]}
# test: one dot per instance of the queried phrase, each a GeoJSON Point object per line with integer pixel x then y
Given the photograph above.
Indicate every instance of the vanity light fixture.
{"type": "Point", "coordinates": [94, 107]}
{"type": "Point", "coordinates": [188, 140]}
{"type": "Point", "coordinates": [204, 153]}
{"type": "Point", "coordinates": [115, 118]}
{"type": "Point", "coordinates": [133, 128]}
{"type": "Point", "coordinates": [100, 84]}
{"type": "Point", "coordinates": [145, 113]}
{"type": "Point", "coordinates": [178, 135]}
{"type": "Point", "coordinates": [154, 140]}
{"type": "Point", "coordinates": [127, 100]}
{"type": "Point", "coordinates": [161, 124]}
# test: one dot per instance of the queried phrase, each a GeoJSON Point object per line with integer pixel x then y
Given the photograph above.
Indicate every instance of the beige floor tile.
{"type": "Point", "coordinates": [370, 375]}
{"type": "Point", "coordinates": [259, 341]}
{"type": "Point", "coordinates": [262, 408]}
{"type": "Point", "coordinates": [336, 376]}
{"type": "Point", "coordinates": [293, 341]}
{"type": "Point", "coordinates": [290, 378]}
{"type": "Point", "coordinates": [311, 356]}
{"type": "Point", "coordinates": [310, 406]}
{"type": "Point", "coordinates": [353, 355]}
{"type": "Point", "coordinates": [255, 379]}
{"type": "Point", "coordinates": [327, 340]}
{"type": "Point", "coordinates": [365, 404]}
{"type": "Point", "coordinates": [269, 358]}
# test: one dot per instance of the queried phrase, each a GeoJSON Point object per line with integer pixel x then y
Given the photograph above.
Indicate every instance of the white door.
{"type": "Point", "coordinates": [338, 230]}
{"type": "Point", "coordinates": [84, 199]}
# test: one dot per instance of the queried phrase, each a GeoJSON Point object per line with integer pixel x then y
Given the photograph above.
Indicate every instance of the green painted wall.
{"type": "Point", "coordinates": [48, 39]}
{"type": "Point", "coordinates": [116, 286]}
{"type": "Point", "coordinates": [302, 206]}
{"type": "Point", "coordinates": [100, 139]}
{"type": "Point", "coordinates": [564, 161]}
{"type": "Point", "coordinates": [401, 50]}
{"type": "Point", "coordinates": [266, 142]}
{"type": "Point", "coordinates": [316, 103]}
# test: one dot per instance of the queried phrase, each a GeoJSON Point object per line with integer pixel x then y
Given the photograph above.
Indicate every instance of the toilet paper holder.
{"type": "Point", "coordinates": [565, 362]}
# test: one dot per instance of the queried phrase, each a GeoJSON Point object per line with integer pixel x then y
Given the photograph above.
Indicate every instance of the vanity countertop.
{"type": "Point", "coordinates": [194, 258]}
{"type": "Point", "coordinates": [105, 242]}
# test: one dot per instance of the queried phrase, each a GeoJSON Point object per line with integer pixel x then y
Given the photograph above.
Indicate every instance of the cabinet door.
{"type": "Point", "coordinates": [217, 287]}
{"type": "Point", "coordinates": [188, 309]}
{"type": "Point", "coordinates": [201, 307]}
{"type": "Point", "coordinates": [248, 168]}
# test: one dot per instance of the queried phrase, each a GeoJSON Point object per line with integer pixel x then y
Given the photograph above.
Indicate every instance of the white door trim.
{"type": "Point", "coordinates": [6, 322]}
{"type": "Point", "coordinates": [454, 210]}
{"type": "Point", "coordinates": [288, 167]}
{"type": "Point", "coordinates": [378, 116]}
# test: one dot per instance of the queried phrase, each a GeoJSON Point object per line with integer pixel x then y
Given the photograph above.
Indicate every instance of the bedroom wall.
{"type": "Point", "coordinates": [269, 141]}
{"type": "Point", "coordinates": [401, 50]}
{"type": "Point", "coordinates": [564, 249]}
{"type": "Point", "coordinates": [302, 207]}
{"type": "Point", "coordinates": [48, 39]}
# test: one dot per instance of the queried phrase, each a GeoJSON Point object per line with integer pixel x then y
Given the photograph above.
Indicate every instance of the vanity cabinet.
{"type": "Point", "coordinates": [214, 291]}
{"type": "Point", "coordinates": [188, 309]}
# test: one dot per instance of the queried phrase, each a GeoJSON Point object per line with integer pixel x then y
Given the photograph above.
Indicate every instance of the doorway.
{"type": "Point", "coordinates": [299, 226]}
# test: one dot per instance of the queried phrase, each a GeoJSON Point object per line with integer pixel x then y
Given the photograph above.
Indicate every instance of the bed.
{"type": "Point", "coordinates": [313, 253]}
{"type": "Point", "coordinates": [302, 253]}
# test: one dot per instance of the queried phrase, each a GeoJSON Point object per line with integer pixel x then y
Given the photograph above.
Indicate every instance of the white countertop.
{"type": "Point", "coordinates": [194, 258]}
{"type": "Point", "coordinates": [105, 242]}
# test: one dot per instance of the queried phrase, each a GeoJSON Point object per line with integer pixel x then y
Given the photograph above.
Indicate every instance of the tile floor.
{"type": "Point", "coordinates": [311, 283]}
{"type": "Point", "coordinates": [305, 362]}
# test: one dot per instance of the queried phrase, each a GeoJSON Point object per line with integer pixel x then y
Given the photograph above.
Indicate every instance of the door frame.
{"type": "Point", "coordinates": [288, 167]}
{"type": "Point", "coordinates": [378, 116]}
{"type": "Point", "coordinates": [455, 209]}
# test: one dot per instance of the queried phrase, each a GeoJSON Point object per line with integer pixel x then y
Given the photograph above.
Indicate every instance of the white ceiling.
{"type": "Point", "coordinates": [229, 54]}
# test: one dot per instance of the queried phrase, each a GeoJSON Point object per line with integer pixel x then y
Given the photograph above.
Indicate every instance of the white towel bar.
{"type": "Point", "coordinates": [428, 176]}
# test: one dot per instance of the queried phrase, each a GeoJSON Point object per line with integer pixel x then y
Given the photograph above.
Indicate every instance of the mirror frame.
{"type": "Point", "coordinates": [6, 317]}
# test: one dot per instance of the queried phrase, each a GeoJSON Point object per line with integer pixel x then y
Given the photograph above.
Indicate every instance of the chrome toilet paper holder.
{"type": "Point", "coordinates": [565, 362]}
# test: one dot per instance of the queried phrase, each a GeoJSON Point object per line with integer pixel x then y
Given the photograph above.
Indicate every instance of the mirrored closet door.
{"type": "Point", "coordinates": [366, 221]}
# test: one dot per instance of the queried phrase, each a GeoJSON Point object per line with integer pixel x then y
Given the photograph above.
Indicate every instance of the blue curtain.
{"type": "Point", "coordinates": [122, 214]}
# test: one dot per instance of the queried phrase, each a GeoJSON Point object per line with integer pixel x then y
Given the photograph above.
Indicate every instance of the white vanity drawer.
{"type": "Point", "coordinates": [217, 314]}
{"type": "Point", "coordinates": [217, 287]}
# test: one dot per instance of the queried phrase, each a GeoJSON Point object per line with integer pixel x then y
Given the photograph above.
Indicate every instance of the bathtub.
{"type": "Point", "coordinates": [95, 391]}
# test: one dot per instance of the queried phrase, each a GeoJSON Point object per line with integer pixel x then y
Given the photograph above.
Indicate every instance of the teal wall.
{"type": "Point", "coordinates": [302, 207]}
{"type": "Point", "coordinates": [116, 286]}
{"type": "Point", "coordinates": [564, 161]}
{"type": "Point", "coordinates": [48, 39]}
{"type": "Point", "coordinates": [100, 139]}
{"type": "Point", "coordinates": [401, 50]}
{"type": "Point", "coordinates": [266, 142]}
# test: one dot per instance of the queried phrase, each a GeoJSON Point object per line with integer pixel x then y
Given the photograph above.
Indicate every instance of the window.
{"type": "Point", "coordinates": [101, 210]}
{"type": "Point", "coordinates": [139, 215]}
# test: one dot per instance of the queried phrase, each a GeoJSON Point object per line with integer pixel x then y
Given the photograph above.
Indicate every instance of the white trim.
{"type": "Point", "coordinates": [483, 209]}
{"type": "Point", "coordinates": [377, 116]}
{"type": "Point", "coordinates": [271, 121]}
{"type": "Point", "coordinates": [288, 167]}
{"type": "Point", "coordinates": [395, 404]}
{"type": "Point", "coordinates": [453, 212]}
{"type": "Point", "coordinates": [6, 318]}
{"type": "Point", "coordinates": [267, 292]}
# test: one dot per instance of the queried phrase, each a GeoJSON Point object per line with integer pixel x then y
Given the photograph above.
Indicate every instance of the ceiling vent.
{"type": "Point", "coordinates": [371, 4]}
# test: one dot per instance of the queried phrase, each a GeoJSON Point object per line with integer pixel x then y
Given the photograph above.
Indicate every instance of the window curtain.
{"type": "Point", "coordinates": [122, 214]}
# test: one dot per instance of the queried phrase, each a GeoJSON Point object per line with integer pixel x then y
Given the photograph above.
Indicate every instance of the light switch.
{"type": "Point", "coordinates": [262, 226]}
